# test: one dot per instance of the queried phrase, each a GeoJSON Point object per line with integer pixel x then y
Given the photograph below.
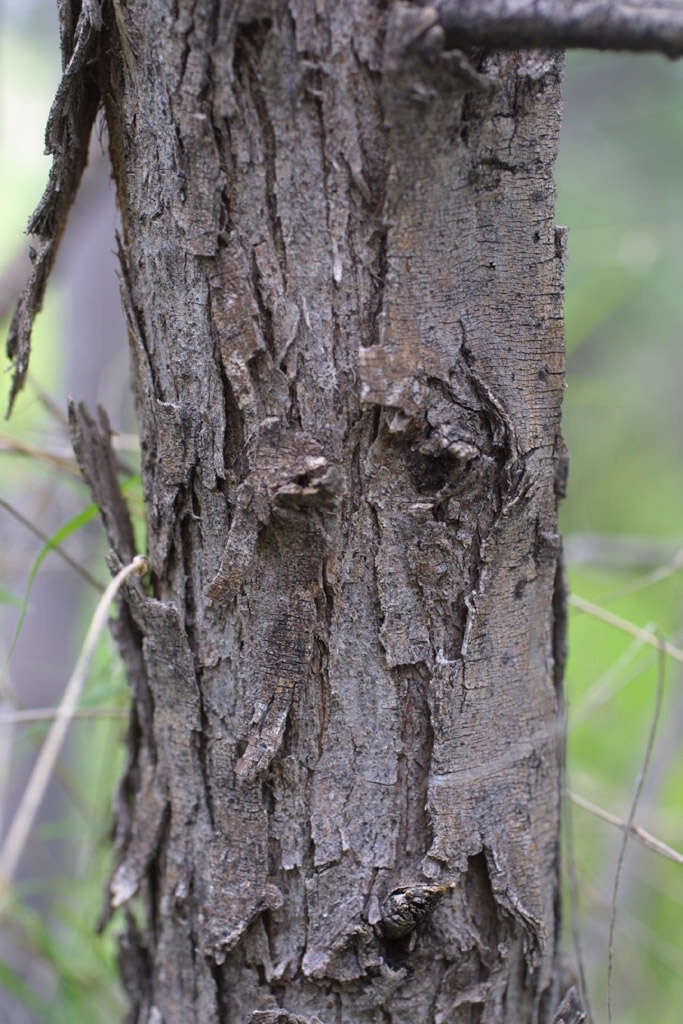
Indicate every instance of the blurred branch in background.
{"type": "Point", "coordinates": [43, 769]}
{"type": "Point", "coordinates": [46, 714]}
{"type": "Point", "coordinates": [639, 632]}
{"type": "Point", "coordinates": [81, 570]}
{"type": "Point", "coordinates": [617, 550]}
{"type": "Point", "coordinates": [641, 834]}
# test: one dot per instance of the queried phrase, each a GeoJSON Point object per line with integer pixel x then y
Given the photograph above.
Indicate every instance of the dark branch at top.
{"type": "Point", "coordinates": [656, 25]}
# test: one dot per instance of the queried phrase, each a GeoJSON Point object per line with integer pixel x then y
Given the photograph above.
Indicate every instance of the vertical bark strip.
{"type": "Point", "coordinates": [67, 138]}
{"type": "Point", "coordinates": [344, 295]}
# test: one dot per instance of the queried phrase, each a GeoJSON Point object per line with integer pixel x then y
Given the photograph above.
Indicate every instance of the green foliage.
{"type": "Point", "coordinates": [75, 523]}
{"type": "Point", "coordinates": [81, 964]}
{"type": "Point", "coordinates": [619, 193]}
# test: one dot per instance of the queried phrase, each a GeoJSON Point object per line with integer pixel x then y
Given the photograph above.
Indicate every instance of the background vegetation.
{"type": "Point", "coordinates": [622, 147]}
{"type": "Point", "coordinates": [619, 192]}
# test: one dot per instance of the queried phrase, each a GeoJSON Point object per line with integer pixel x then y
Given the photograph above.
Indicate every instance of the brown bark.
{"type": "Point", "coordinates": [343, 285]}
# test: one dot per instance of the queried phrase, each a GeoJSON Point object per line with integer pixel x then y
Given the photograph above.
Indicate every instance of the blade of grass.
{"type": "Point", "coordinates": [17, 987]}
{"type": "Point", "coordinates": [65, 531]}
{"type": "Point", "coordinates": [43, 768]}
{"type": "Point", "coordinates": [7, 598]}
{"type": "Point", "coordinates": [76, 957]}
{"type": "Point", "coordinates": [37, 532]}
{"type": "Point", "coordinates": [52, 543]}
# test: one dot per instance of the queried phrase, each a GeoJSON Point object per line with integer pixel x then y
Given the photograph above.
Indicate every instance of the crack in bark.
{"type": "Point", "coordinates": [249, 44]}
{"type": "Point", "coordinates": [136, 329]}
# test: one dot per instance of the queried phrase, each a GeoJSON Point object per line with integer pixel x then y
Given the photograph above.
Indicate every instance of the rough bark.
{"type": "Point", "coordinates": [638, 25]}
{"type": "Point", "coordinates": [343, 287]}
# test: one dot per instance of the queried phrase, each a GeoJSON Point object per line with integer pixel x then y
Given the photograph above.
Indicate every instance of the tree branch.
{"type": "Point", "coordinates": [656, 25]}
{"type": "Point", "coordinates": [646, 838]}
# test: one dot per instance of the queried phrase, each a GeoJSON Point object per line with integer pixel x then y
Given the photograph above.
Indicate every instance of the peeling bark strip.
{"type": "Point", "coordinates": [67, 137]}
{"type": "Point", "coordinates": [96, 460]}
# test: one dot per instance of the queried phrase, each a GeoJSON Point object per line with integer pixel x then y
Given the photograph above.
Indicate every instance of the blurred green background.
{"type": "Point", "coordinates": [618, 191]}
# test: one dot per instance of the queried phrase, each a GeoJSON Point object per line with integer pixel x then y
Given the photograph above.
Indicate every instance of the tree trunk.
{"type": "Point", "coordinates": [343, 286]}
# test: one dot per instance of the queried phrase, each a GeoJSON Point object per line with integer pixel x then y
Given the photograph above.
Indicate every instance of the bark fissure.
{"type": "Point", "coordinates": [252, 38]}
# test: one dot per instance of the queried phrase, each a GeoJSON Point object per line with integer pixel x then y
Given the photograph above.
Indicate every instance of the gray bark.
{"type": "Point", "coordinates": [638, 25]}
{"type": "Point", "coordinates": [343, 285]}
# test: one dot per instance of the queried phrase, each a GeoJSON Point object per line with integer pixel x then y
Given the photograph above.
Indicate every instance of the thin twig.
{"type": "Point", "coordinates": [37, 532]}
{"type": "Point", "coordinates": [656, 576]}
{"type": "Point", "coordinates": [641, 834]}
{"type": "Point", "coordinates": [573, 887]}
{"type": "Point", "coordinates": [624, 625]}
{"type": "Point", "coordinates": [629, 821]}
{"type": "Point", "coordinates": [610, 682]}
{"type": "Point", "coordinates": [643, 938]}
{"type": "Point", "coordinates": [654, 25]}
{"type": "Point", "coordinates": [42, 771]}
{"type": "Point", "coordinates": [621, 551]}
{"type": "Point", "coordinates": [125, 442]}
{"type": "Point", "coordinates": [49, 404]}
{"type": "Point", "coordinates": [65, 463]}
{"type": "Point", "coordinates": [46, 714]}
